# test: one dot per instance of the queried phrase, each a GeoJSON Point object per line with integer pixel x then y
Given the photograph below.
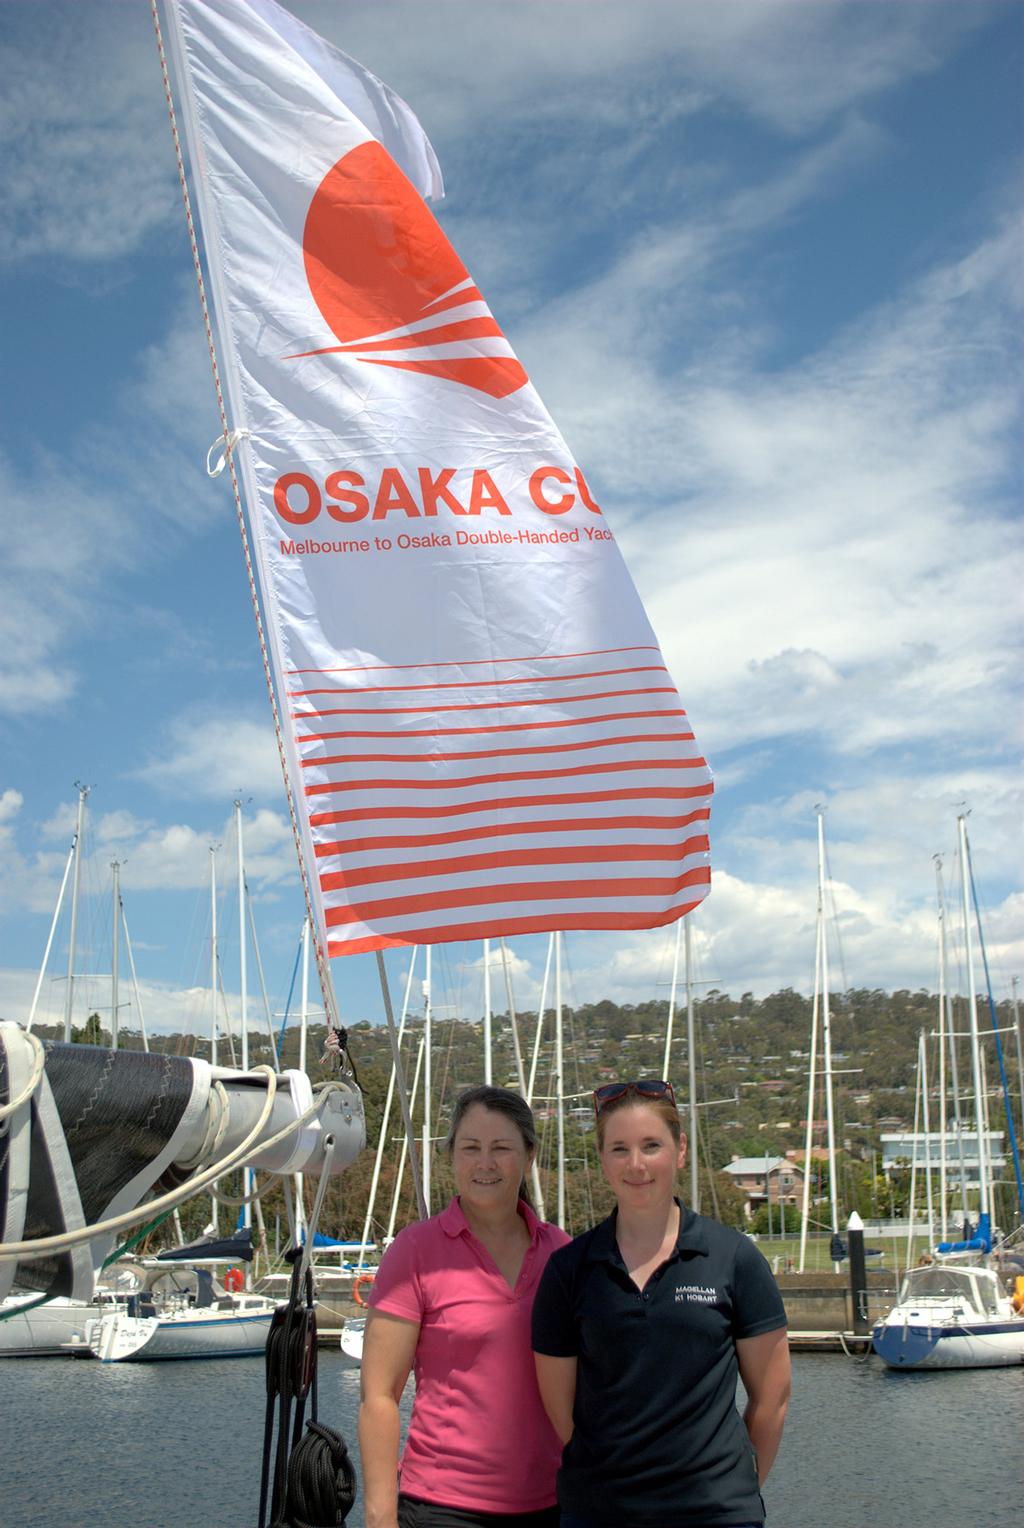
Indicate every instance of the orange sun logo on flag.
{"type": "Point", "coordinates": [391, 287]}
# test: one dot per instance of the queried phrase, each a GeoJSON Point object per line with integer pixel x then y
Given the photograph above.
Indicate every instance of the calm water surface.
{"type": "Point", "coordinates": [178, 1445]}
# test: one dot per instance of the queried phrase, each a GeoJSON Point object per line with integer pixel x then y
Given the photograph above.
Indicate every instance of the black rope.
{"type": "Point", "coordinates": [314, 1481]}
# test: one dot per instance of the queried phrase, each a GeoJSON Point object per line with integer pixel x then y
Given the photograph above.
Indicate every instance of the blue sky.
{"type": "Point", "coordinates": [762, 262]}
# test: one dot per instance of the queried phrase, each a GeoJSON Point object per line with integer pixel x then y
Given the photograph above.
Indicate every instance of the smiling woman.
{"type": "Point", "coordinates": [452, 1302]}
{"type": "Point", "coordinates": [641, 1328]}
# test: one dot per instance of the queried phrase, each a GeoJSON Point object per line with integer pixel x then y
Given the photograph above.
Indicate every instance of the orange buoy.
{"type": "Point", "coordinates": [234, 1280]}
{"type": "Point", "coordinates": [362, 1282]}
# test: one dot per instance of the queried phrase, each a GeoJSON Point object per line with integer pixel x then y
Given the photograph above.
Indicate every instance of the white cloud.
{"type": "Point", "coordinates": [789, 64]}
{"type": "Point", "coordinates": [88, 173]}
{"type": "Point", "coordinates": [11, 803]}
{"type": "Point", "coordinates": [216, 756]}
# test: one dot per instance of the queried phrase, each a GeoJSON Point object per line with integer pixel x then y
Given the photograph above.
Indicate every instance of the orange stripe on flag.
{"type": "Point", "coordinates": [463, 782]}
{"type": "Point", "coordinates": [661, 792]}
{"type": "Point", "coordinates": [589, 854]}
{"type": "Point", "coordinates": [513, 891]}
{"type": "Point", "coordinates": [512, 830]}
{"type": "Point", "coordinates": [539, 924]}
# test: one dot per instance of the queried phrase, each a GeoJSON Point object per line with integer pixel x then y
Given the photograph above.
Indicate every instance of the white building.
{"type": "Point", "coordinates": [899, 1148]}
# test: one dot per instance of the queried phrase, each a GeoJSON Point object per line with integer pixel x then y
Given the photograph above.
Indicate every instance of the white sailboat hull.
{"type": "Point", "coordinates": [42, 1331]}
{"type": "Point", "coordinates": [903, 1344]}
{"type": "Point", "coordinates": [352, 1339]}
{"type": "Point", "coordinates": [120, 1338]}
{"type": "Point", "coordinates": [951, 1316]}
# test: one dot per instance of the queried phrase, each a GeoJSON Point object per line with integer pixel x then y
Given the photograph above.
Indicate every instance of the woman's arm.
{"type": "Point", "coordinates": [389, 1348]}
{"type": "Point", "coordinates": [556, 1381]}
{"type": "Point", "coordinates": [765, 1372]}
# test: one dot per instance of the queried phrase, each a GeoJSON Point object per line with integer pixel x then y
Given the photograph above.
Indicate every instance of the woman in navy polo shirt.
{"type": "Point", "coordinates": [640, 1329]}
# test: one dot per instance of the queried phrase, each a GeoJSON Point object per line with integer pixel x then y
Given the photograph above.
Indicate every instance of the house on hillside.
{"type": "Point", "coordinates": [763, 1179]}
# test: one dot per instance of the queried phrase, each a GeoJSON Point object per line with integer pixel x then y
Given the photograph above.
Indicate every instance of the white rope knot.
{"type": "Point", "coordinates": [332, 1048]}
{"type": "Point", "coordinates": [228, 443]}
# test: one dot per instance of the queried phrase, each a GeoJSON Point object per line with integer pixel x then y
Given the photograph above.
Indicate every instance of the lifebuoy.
{"type": "Point", "coordinates": [363, 1281]}
{"type": "Point", "coordinates": [1018, 1294]}
{"type": "Point", "coordinates": [234, 1280]}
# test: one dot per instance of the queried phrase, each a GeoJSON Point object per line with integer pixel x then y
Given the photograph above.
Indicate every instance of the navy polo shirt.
{"type": "Point", "coordinates": [657, 1437]}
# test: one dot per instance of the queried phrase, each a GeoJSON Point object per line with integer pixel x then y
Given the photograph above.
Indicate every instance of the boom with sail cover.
{"type": "Point", "coordinates": [481, 731]}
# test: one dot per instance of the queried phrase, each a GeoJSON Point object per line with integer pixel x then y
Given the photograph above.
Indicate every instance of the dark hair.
{"type": "Point", "coordinates": [664, 1108]}
{"type": "Point", "coordinates": [500, 1101]}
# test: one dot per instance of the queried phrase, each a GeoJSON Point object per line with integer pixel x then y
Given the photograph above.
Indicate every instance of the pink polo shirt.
{"type": "Point", "coordinates": [479, 1438]}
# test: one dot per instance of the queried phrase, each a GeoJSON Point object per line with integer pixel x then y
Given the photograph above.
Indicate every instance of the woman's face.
{"type": "Point", "coordinates": [639, 1158]}
{"type": "Point", "coordinates": [489, 1159]}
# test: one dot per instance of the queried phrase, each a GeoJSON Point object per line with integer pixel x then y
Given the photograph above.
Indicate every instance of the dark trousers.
{"type": "Point", "coordinates": [414, 1513]}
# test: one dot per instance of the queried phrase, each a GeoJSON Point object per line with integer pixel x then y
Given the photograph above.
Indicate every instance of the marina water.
{"type": "Point", "coordinates": [178, 1445]}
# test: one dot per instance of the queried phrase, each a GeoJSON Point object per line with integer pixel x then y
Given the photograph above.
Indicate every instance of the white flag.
{"type": "Point", "coordinates": [482, 732]}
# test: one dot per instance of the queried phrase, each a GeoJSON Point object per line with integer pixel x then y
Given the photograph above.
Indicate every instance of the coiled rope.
{"type": "Point", "coordinates": [314, 1480]}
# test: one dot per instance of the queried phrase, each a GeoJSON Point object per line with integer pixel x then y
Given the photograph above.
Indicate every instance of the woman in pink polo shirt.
{"type": "Point", "coordinates": [452, 1301]}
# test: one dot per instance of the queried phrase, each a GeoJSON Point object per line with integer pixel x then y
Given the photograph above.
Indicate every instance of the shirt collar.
{"type": "Point", "coordinates": [453, 1222]}
{"type": "Point", "coordinates": [691, 1238]}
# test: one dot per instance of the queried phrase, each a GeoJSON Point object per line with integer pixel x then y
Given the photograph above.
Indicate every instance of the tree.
{"type": "Point", "coordinates": [90, 1033]}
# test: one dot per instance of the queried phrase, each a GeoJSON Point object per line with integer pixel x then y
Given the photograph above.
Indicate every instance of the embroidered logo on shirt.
{"type": "Point", "coordinates": [700, 1294]}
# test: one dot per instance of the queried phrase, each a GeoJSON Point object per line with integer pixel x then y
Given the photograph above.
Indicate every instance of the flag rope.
{"type": "Point", "coordinates": [334, 1048]}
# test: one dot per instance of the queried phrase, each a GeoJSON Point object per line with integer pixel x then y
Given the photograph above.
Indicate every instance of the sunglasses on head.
{"type": "Point", "coordinates": [643, 1087]}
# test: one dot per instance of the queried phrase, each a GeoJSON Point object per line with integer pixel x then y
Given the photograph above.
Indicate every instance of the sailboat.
{"type": "Point", "coordinates": [182, 1311]}
{"type": "Point", "coordinates": [954, 1311]}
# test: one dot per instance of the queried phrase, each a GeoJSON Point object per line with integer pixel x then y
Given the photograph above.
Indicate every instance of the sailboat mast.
{"type": "Point", "coordinates": [1020, 1048]}
{"type": "Point", "coordinates": [243, 988]}
{"type": "Point", "coordinates": [135, 978]}
{"type": "Point", "coordinates": [538, 1034]}
{"type": "Point", "coordinates": [83, 791]}
{"type": "Point", "coordinates": [300, 1202]}
{"type": "Point", "coordinates": [691, 1030]}
{"type": "Point", "coordinates": [115, 950]}
{"type": "Point", "coordinates": [927, 1137]}
{"type": "Point", "coordinates": [214, 1206]}
{"type": "Point", "coordinates": [972, 1009]}
{"type": "Point", "coordinates": [943, 1188]}
{"type": "Point", "coordinates": [559, 1082]}
{"type": "Point", "coordinates": [538, 1194]}
{"type": "Point", "coordinates": [826, 1028]}
{"type": "Point", "coordinates": [667, 1060]}
{"type": "Point", "coordinates": [488, 1039]}
{"type": "Point", "coordinates": [811, 1081]}
{"type": "Point", "coordinates": [386, 1121]}
{"type": "Point", "coordinates": [213, 955]}
{"type": "Point", "coordinates": [954, 1068]}
{"type": "Point", "coordinates": [49, 942]}
{"type": "Point", "coordinates": [304, 1015]}
{"type": "Point", "coordinates": [427, 1083]}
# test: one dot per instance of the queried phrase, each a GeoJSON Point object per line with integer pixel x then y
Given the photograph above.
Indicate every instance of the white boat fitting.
{"type": "Point", "coordinates": [207, 1323]}
{"type": "Point", "coordinates": [352, 1334]}
{"type": "Point", "coordinates": [951, 1316]}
